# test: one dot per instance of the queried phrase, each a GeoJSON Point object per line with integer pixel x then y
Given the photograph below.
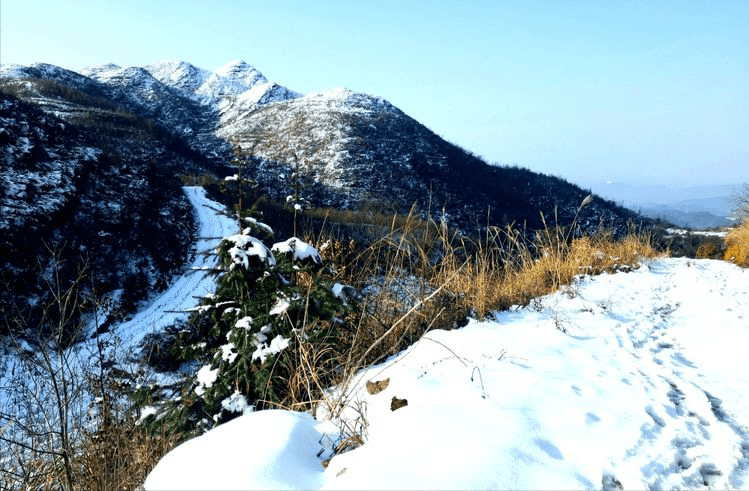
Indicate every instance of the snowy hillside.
{"type": "Point", "coordinates": [631, 380]}
{"type": "Point", "coordinates": [97, 185]}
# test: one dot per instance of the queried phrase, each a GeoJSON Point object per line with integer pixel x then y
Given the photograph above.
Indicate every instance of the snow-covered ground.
{"type": "Point", "coordinates": [703, 233]}
{"type": "Point", "coordinates": [635, 380]}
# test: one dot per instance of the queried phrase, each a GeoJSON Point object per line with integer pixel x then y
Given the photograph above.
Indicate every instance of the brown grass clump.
{"type": "Point", "coordinates": [508, 271]}
{"type": "Point", "coordinates": [707, 250]}
{"type": "Point", "coordinates": [120, 456]}
{"type": "Point", "coordinates": [737, 245]}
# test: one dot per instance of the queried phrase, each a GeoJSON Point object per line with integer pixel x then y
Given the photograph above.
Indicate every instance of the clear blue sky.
{"type": "Point", "coordinates": [632, 91]}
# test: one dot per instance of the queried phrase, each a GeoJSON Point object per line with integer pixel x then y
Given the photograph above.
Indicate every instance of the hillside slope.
{"type": "Point", "coordinates": [346, 149]}
{"type": "Point", "coordinates": [86, 181]}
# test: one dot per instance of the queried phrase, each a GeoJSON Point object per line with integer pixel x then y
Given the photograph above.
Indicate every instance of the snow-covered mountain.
{"type": "Point", "coordinates": [234, 81]}
{"type": "Point", "coordinates": [191, 101]}
{"type": "Point", "coordinates": [86, 180]}
{"type": "Point", "coordinates": [344, 149]}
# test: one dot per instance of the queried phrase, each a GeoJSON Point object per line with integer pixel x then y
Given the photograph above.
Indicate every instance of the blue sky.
{"type": "Point", "coordinates": [645, 92]}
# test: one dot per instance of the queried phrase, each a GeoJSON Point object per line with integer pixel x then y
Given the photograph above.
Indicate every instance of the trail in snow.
{"type": "Point", "coordinates": [184, 292]}
{"type": "Point", "coordinates": [635, 380]}
{"type": "Point", "coordinates": [677, 332]}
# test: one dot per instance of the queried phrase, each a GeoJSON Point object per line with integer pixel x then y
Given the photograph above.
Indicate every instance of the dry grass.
{"type": "Point", "coordinates": [709, 249]}
{"type": "Point", "coordinates": [737, 245]}
{"type": "Point", "coordinates": [510, 272]}
{"type": "Point", "coordinates": [419, 276]}
{"type": "Point", "coordinates": [119, 457]}
{"type": "Point", "coordinates": [115, 457]}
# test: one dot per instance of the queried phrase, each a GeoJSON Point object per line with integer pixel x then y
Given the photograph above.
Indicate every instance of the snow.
{"type": "Point", "coordinates": [228, 352]}
{"type": "Point", "coordinates": [338, 291]}
{"type": "Point", "coordinates": [277, 344]}
{"type": "Point", "coordinates": [301, 250]}
{"type": "Point", "coordinates": [236, 403]}
{"type": "Point", "coordinates": [146, 412]}
{"type": "Point", "coordinates": [12, 70]}
{"type": "Point", "coordinates": [233, 84]}
{"type": "Point", "coordinates": [704, 233]}
{"type": "Point", "coordinates": [630, 379]}
{"type": "Point", "coordinates": [244, 323]}
{"type": "Point", "coordinates": [245, 247]}
{"type": "Point", "coordinates": [206, 377]}
{"type": "Point", "coordinates": [178, 74]}
{"type": "Point", "coordinates": [278, 442]}
{"type": "Point", "coordinates": [281, 306]}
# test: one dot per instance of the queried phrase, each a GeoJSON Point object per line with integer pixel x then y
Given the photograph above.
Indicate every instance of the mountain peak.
{"type": "Point", "coordinates": [240, 71]}
{"type": "Point", "coordinates": [180, 75]}
{"type": "Point", "coordinates": [104, 70]}
{"type": "Point", "coordinates": [46, 71]}
{"type": "Point", "coordinates": [101, 67]}
{"type": "Point", "coordinates": [234, 66]}
{"type": "Point", "coordinates": [40, 70]}
{"type": "Point", "coordinates": [173, 68]}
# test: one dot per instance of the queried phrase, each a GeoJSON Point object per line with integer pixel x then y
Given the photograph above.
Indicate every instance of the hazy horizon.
{"type": "Point", "coordinates": [588, 91]}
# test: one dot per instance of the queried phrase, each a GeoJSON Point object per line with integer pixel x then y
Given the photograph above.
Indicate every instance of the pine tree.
{"type": "Point", "coordinates": [270, 303]}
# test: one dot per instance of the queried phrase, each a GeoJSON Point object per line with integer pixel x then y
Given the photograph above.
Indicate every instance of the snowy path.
{"type": "Point", "coordinates": [684, 333]}
{"type": "Point", "coordinates": [182, 294]}
{"type": "Point", "coordinates": [632, 379]}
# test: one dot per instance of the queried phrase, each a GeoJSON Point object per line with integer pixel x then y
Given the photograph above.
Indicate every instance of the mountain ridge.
{"type": "Point", "coordinates": [344, 148]}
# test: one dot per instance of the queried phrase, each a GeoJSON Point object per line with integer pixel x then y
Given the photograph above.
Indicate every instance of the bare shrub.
{"type": "Point", "coordinates": [118, 455]}
{"type": "Point", "coordinates": [64, 421]}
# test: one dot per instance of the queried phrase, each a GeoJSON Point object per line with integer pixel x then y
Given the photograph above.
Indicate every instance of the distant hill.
{"type": "Point", "coordinates": [696, 220]}
{"type": "Point", "coordinates": [696, 207]}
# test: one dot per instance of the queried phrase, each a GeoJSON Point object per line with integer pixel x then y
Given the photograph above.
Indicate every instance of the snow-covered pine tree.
{"type": "Point", "coordinates": [270, 307]}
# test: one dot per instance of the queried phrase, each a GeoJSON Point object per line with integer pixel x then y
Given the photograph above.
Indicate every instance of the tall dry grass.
{"type": "Point", "coordinates": [508, 271]}
{"type": "Point", "coordinates": [737, 245]}
{"type": "Point", "coordinates": [117, 456]}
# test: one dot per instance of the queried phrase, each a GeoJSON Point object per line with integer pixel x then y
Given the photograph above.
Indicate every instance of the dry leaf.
{"type": "Point", "coordinates": [396, 403]}
{"type": "Point", "coordinates": [377, 387]}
